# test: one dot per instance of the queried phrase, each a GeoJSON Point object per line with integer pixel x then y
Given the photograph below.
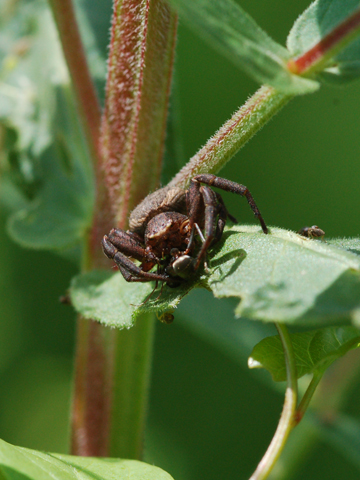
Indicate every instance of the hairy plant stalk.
{"type": "Point", "coordinates": [285, 424]}
{"type": "Point", "coordinates": [233, 135]}
{"type": "Point", "coordinates": [112, 368]}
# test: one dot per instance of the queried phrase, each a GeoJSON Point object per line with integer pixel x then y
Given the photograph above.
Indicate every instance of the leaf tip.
{"type": "Point", "coordinates": [252, 363]}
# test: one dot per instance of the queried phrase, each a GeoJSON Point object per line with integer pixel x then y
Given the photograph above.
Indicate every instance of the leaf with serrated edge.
{"type": "Point", "coordinates": [283, 277]}
{"type": "Point", "coordinates": [18, 462]}
{"type": "Point", "coordinates": [314, 350]}
{"type": "Point", "coordinates": [280, 277]}
{"type": "Point", "coordinates": [108, 298]}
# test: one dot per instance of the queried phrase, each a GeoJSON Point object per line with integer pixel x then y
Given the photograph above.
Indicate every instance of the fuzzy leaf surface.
{"type": "Point", "coordinates": [280, 277]}
{"type": "Point", "coordinates": [283, 277]}
{"type": "Point", "coordinates": [314, 350]}
{"type": "Point", "coordinates": [229, 29]}
{"type": "Point", "coordinates": [106, 297]}
{"type": "Point", "coordinates": [319, 19]}
{"type": "Point", "coordinates": [22, 463]}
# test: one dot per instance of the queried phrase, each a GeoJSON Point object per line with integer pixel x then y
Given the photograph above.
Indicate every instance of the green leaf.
{"type": "Point", "coordinates": [317, 21]}
{"type": "Point", "coordinates": [314, 350]}
{"type": "Point", "coordinates": [106, 297]}
{"type": "Point", "coordinates": [229, 29]}
{"type": "Point", "coordinates": [22, 463]}
{"type": "Point", "coordinates": [280, 277]}
{"type": "Point", "coordinates": [283, 277]}
{"type": "Point", "coordinates": [47, 161]}
{"type": "Point", "coordinates": [61, 212]}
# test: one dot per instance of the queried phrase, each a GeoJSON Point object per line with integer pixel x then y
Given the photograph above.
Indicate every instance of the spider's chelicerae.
{"type": "Point", "coordinates": [164, 230]}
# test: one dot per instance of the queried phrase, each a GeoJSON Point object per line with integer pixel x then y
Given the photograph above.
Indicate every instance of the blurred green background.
{"type": "Point", "coordinates": [209, 417]}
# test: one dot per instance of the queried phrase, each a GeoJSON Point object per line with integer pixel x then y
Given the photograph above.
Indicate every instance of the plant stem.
{"type": "Point", "coordinates": [112, 368]}
{"type": "Point", "coordinates": [329, 398]}
{"type": "Point", "coordinates": [305, 401]}
{"type": "Point", "coordinates": [85, 94]}
{"type": "Point", "coordinates": [130, 394]}
{"type": "Point", "coordinates": [233, 135]}
{"type": "Point", "coordinates": [285, 424]}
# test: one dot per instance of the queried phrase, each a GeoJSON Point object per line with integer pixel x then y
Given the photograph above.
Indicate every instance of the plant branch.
{"type": "Point", "coordinates": [233, 135]}
{"type": "Point", "coordinates": [286, 420]}
{"type": "Point", "coordinates": [305, 401]}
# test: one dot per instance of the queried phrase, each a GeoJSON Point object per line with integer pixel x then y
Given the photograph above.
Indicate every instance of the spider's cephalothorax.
{"type": "Point", "coordinates": [164, 230]}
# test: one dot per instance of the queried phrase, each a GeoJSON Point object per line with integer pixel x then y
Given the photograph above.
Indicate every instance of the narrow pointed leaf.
{"type": "Point", "coordinates": [229, 29]}
{"type": "Point", "coordinates": [318, 21]}
{"type": "Point", "coordinates": [314, 350]}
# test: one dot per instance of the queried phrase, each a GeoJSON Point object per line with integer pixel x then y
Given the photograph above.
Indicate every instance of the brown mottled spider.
{"type": "Point", "coordinates": [163, 227]}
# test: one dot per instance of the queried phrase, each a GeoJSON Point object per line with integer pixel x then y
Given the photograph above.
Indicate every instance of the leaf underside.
{"type": "Point", "coordinates": [313, 24]}
{"type": "Point", "coordinates": [280, 277]}
{"type": "Point", "coordinates": [230, 30]}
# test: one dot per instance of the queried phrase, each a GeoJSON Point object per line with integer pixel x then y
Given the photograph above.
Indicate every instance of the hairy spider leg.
{"type": "Point", "coordinates": [130, 271]}
{"type": "Point", "coordinates": [131, 245]}
{"type": "Point", "coordinates": [128, 244]}
{"type": "Point", "coordinates": [228, 186]}
{"type": "Point", "coordinates": [212, 209]}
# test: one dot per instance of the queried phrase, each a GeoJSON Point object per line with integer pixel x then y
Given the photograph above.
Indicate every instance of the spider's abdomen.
{"type": "Point", "coordinates": [167, 199]}
{"type": "Point", "coordinates": [166, 231]}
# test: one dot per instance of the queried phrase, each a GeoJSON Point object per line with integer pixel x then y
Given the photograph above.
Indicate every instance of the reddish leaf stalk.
{"type": "Point", "coordinates": [315, 56]}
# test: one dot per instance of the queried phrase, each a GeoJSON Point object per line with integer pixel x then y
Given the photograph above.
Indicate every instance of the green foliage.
{"type": "Point", "coordinates": [45, 168]}
{"type": "Point", "coordinates": [314, 351]}
{"type": "Point", "coordinates": [313, 24]}
{"type": "Point", "coordinates": [278, 277]}
{"type": "Point", "coordinates": [109, 299]}
{"type": "Point", "coordinates": [18, 462]}
{"type": "Point", "coordinates": [236, 35]}
{"type": "Point", "coordinates": [60, 213]}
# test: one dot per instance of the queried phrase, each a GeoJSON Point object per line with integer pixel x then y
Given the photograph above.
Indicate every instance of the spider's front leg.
{"type": "Point", "coordinates": [215, 212]}
{"type": "Point", "coordinates": [118, 245]}
{"type": "Point", "coordinates": [228, 186]}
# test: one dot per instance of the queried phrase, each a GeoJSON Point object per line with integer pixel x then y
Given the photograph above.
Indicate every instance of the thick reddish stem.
{"type": "Point", "coordinates": [131, 147]}
{"type": "Point", "coordinates": [91, 425]}
{"type": "Point", "coordinates": [303, 63]}
{"type": "Point", "coordinates": [133, 127]}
